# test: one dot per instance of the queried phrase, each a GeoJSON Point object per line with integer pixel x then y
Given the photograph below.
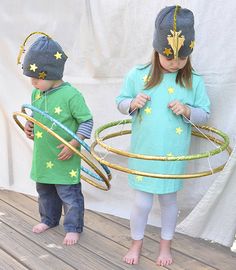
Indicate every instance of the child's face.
{"type": "Point", "coordinates": [172, 65]}
{"type": "Point", "coordinates": [42, 85]}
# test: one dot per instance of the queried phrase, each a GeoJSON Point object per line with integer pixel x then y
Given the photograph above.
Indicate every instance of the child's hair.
{"type": "Point", "coordinates": [184, 75]}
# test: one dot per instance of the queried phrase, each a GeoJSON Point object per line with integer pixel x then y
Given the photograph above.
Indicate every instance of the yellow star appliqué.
{"type": "Point", "coordinates": [167, 51]}
{"type": "Point", "coordinates": [171, 90]}
{"type": "Point", "coordinates": [38, 96]}
{"type": "Point", "coordinates": [49, 164]}
{"type": "Point", "coordinates": [139, 178]}
{"type": "Point", "coordinates": [148, 110]}
{"type": "Point", "coordinates": [146, 78]}
{"type": "Point", "coordinates": [73, 173]}
{"type": "Point", "coordinates": [57, 110]}
{"type": "Point", "coordinates": [42, 75]}
{"type": "Point", "coordinates": [58, 55]}
{"type": "Point", "coordinates": [39, 134]}
{"type": "Point", "coordinates": [33, 67]}
{"type": "Point", "coordinates": [179, 130]}
{"type": "Point", "coordinates": [192, 44]}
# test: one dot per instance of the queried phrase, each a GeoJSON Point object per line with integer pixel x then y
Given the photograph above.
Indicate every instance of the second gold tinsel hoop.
{"type": "Point", "coordinates": [223, 145]}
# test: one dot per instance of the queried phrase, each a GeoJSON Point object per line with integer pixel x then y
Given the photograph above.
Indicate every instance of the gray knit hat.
{"type": "Point", "coordinates": [45, 59]}
{"type": "Point", "coordinates": [174, 32]}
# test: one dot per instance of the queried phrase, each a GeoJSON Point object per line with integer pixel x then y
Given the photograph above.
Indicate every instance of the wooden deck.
{"type": "Point", "coordinates": [103, 243]}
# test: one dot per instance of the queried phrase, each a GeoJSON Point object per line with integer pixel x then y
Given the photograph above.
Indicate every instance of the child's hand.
{"type": "Point", "coordinates": [139, 101]}
{"type": "Point", "coordinates": [29, 130]}
{"type": "Point", "coordinates": [66, 152]}
{"type": "Point", "coordinates": [179, 109]}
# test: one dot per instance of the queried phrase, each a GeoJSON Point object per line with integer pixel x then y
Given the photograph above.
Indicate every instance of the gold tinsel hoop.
{"type": "Point", "coordinates": [97, 176]}
{"type": "Point", "coordinates": [22, 47]}
{"type": "Point", "coordinates": [223, 145]}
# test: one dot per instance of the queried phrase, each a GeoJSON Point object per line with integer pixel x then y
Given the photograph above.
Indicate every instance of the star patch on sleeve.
{"type": "Point", "coordinates": [58, 55]}
{"type": "Point", "coordinates": [49, 165]}
{"type": "Point", "coordinates": [178, 130]}
{"type": "Point", "coordinates": [148, 110]}
{"type": "Point", "coordinates": [39, 134]}
{"type": "Point", "coordinates": [33, 67]}
{"type": "Point", "coordinates": [57, 110]}
{"type": "Point", "coordinates": [73, 173]}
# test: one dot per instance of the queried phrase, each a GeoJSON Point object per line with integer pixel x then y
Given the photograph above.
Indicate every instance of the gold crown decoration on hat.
{"type": "Point", "coordinates": [175, 41]}
{"type": "Point", "coordinates": [22, 47]}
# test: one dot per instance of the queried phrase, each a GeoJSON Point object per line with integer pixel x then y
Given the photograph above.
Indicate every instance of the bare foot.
{"type": "Point", "coordinates": [71, 238]}
{"type": "Point", "coordinates": [132, 257]}
{"type": "Point", "coordinates": [39, 228]}
{"type": "Point", "coordinates": [165, 257]}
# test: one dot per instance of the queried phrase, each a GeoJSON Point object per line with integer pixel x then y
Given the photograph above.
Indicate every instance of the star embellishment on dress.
{"type": "Point", "coordinates": [57, 110]}
{"type": "Point", "coordinates": [178, 130]}
{"type": "Point", "coordinates": [58, 55]}
{"type": "Point", "coordinates": [139, 178]}
{"type": "Point", "coordinates": [73, 173]}
{"type": "Point", "coordinates": [148, 110]}
{"type": "Point", "coordinates": [39, 134]}
{"type": "Point", "coordinates": [146, 78]}
{"type": "Point", "coordinates": [49, 165]}
{"type": "Point", "coordinates": [171, 90]}
{"type": "Point", "coordinates": [33, 67]}
{"type": "Point", "coordinates": [167, 51]}
{"type": "Point", "coordinates": [38, 96]}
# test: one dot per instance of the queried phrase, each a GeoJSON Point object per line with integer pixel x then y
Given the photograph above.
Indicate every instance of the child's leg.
{"type": "Point", "coordinates": [169, 212]}
{"type": "Point", "coordinates": [138, 220]}
{"type": "Point", "coordinates": [73, 202]}
{"type": "Point", "coordinates": [50, 207]}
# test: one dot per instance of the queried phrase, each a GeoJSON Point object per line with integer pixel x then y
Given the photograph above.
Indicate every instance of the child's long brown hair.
{"type": "Point", "coordinates": [184, 75]}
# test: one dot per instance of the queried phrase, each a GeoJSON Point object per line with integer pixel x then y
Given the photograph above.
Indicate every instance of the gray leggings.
{"type": "Point", "coordinates": [140, 211]}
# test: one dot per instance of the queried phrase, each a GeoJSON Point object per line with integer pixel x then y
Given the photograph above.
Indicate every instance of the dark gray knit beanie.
{"type": "Point", "coordinates": [174, 32]}
{"type": "Point", "coordinates": [44, 59]}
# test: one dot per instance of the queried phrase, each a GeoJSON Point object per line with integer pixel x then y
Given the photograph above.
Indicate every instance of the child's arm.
{"type": "Point", "coordinates": [129, 105]}
{"type": "Point", "coordinates": [84, 132]}
{"type": "Point", "coordinates": [197, 116]}
{"type": "Point", "coordinates": [29, 130]}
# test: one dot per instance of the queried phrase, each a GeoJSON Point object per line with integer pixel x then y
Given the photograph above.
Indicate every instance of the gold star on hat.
{"type": "Point", "coordinates": [58, 55]}
{"type": "Point", "coordinates": [42, 75]}
{"type": "Point", "coordinates": [167, 51]}
{"type": "Point", "coordinates": [33, 67]}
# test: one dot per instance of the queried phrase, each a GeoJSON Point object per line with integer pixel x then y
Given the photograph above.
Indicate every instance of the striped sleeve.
{"type": "Point", "coordinates": [85, 128]}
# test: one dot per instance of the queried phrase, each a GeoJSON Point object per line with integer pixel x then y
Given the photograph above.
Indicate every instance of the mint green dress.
{"type": "Point", "coordinates": [157, 131]}
{"type": "Point", "coordinates": [67, 105]}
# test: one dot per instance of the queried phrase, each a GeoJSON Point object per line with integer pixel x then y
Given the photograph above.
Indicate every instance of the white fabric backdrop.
{"type": "Point", "coordinates": [104, 39]}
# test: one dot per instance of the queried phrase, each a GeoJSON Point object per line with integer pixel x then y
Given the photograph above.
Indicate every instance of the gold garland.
{"type": "Point", "coordinates": [22, 47]}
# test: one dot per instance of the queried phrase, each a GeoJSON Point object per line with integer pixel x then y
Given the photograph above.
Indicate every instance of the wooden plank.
{"type": "Point", "coordinates": [48, 245]}
{"type": "Point", "coordinates": [212, 254]}
{"type": "Point", "coordinates": [29, 253]}
{"type": "Point", "coordinates": [9, 263]}
{"type": "Point", "coordinates": [119, 235]}
{"type": "Point", "coordinates": [102, 246]}
{"type": "Point", "coordinates": [150, 247]}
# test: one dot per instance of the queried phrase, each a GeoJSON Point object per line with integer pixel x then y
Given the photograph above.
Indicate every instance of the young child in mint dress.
{"type": "Point", "coordinates": [162, 97]}
{"type": "Point", "coordinates": [54, 168]}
